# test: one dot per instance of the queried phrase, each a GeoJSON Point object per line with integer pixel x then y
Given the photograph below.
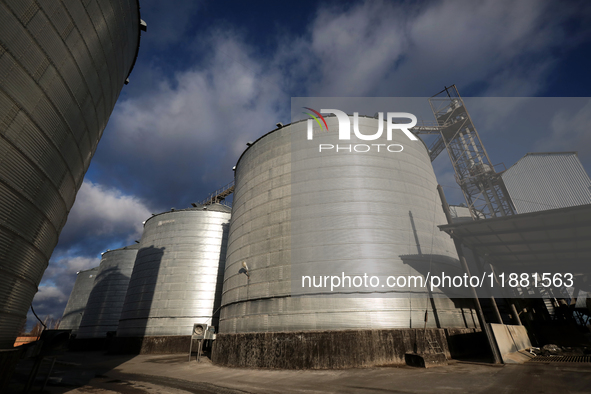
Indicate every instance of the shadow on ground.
{"type": "Point", "coordinates": [70, 370]}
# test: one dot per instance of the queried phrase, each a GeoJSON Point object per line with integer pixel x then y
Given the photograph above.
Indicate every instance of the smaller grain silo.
{"type": "Point", "coordinates": [106, 298]}
{"type": "Point", "coordinates": [176, 281]}
{"type": "Point", "coordinates": [78, 299]}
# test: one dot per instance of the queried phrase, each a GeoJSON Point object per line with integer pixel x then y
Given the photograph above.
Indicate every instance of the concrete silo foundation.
{"type": "Point", "coordinates": [340, 349]}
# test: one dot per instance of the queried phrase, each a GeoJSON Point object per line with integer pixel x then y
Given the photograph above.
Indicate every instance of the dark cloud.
{"type": "Point", "coordinates": [58, 281]}
{"type": "Point", "coordinates": [169, 21]}
{"type": "Point", "coordinates": [570, 131]}
{"type": "Point", "coordinates": [180, 141]}
{"type": "Point", "coordinates": [101, 214]}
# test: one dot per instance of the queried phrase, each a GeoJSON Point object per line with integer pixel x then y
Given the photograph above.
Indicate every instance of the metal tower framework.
{"type": "Point", "coordinates": [219, 195]}
{"type": "Point", "coordinates": [482, 186]}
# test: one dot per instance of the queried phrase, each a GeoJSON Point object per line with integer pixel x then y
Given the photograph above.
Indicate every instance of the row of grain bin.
{"type": "Point", "coordinates": [153, 292]}
{"type": "Point", "coordinates": [78, 299]}
{"type": "Point", "coordinates": [108, 292]}
{"type": "Point", "coordinates": [296, 211]}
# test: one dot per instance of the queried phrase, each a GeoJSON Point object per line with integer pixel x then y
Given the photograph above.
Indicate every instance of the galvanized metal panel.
{"type": "Point", "coordinates": [177, 278]}
{"type": "Point", "coordinates": [460, 213]}
{"type": "Point", "coordinates": [550, 180]}
{"type": "Point", "coordinates": [582, 299]}
{"type": "Point", "coordinates": [353, 210]}
{"type": "Point", "coordinates": [105, 301]}
{"type": "Point", "coordinates": [78, 298]}
{"type": "Point", "coordinates": [62, 66]}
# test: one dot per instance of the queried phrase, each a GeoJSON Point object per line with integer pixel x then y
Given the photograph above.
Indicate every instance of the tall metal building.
{"type": "Point", "coordinates": [177, 277]}
{"type": "Point", "coordinates": [481, 185]}
{"type": "Point", "coordinates": [349, 210]}
{"type": "Point", "coordinates": [548, 180]}
{"type": "Point", "coordinates": [105, 302]}
{"type": "Point", "coordinates": [62, 67]}
{"type": "Point", "coordinates": [78, 299]}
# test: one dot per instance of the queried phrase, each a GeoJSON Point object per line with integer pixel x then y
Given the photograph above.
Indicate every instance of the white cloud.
{"type": "Point", "coordinates": [490, 114]}
{"type": "Point", "coordinates": [72, 265]}
{"type": "Point", "coordinates": [385, 49]}
{"type": "Point", "coordinates": [99, 211]}
{"type": "Point", "coordinates": [571, 131]}
{"type": "Point", "coordinates": [199, 122]}
{"type": "Point", "coordinates": [57, 285]}
{"type": "Point", "coordinates": [51, 294]}
{"type": "Point", "coordinates": [466, 42]}
{"type": "Point", "coordinates": [356, 48]}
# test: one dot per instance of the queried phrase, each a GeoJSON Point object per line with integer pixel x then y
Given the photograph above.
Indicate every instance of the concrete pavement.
{"type": "Point", "coordinates": [94, 372]}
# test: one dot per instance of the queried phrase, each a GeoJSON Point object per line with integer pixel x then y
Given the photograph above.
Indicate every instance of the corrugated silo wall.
{"type": "Point", "coordinates": [176, 281]}
{"type": "Point", "coordinates": [549, 180]}
{"type": "Point", "coordinates": [78, 298]}
{"type": "Point", "coordinates": [375, 206]}
{"type": "Point", "coordinates": [105, 302]}
{"type": "Point", "coordinates": [62, 67]}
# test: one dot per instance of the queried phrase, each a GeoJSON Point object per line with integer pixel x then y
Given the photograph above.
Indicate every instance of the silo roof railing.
{"type": "Point", "coordinates": [219, 195]}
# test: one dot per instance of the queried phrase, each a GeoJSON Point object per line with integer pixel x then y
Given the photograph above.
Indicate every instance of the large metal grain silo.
{"type": "Point", "coordinates": [78, 298]}
{"type": "Point", "coordinates": [105, 302]}
{"type": "Point", "coordinates": [329, 207]}
{"type": "Point", "coordinates": [62, 67]}
{"type": "Point", "coordinates": [177, 278]}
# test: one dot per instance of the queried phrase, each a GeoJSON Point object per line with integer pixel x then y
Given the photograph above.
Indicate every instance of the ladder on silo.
{"type": "Point", "coordinates": [434, 346]}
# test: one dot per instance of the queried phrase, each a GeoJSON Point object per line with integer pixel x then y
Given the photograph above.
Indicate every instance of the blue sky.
{"type": "Point", "coordinates": [211, 76]}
